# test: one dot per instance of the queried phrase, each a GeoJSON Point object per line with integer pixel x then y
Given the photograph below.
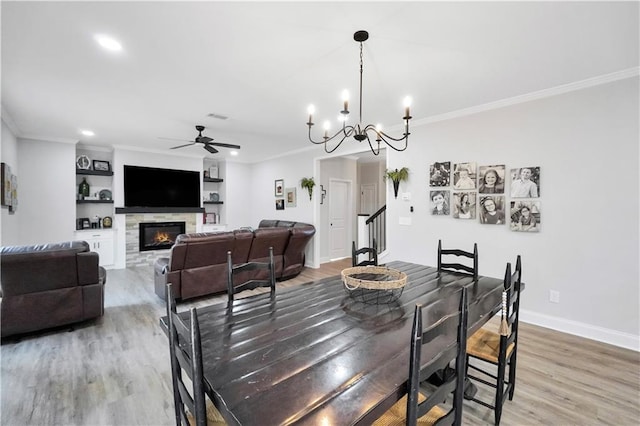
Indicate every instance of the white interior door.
{"type": "Point", "coordinates": [368, 198]}
{"type": "Point", "coordinates": [339, 218]}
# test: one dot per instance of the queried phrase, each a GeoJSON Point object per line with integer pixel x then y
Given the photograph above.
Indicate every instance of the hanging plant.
{"type": "Point", "coordinates": [308, 184]}
{"type": "Point", "coordinates": [396, 177]}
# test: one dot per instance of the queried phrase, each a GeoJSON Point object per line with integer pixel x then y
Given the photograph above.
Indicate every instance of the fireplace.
{"type": "Point", "coordinates": [159, 235]}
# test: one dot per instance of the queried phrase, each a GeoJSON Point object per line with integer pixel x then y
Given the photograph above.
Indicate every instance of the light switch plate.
{"type": "Point", "coordinates": [405, 220]}
{"type": "Point", "coordinates": [406, 196]}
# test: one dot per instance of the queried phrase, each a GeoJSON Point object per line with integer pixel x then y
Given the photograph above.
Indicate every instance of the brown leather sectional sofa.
{"type": "Point", "coordinates": [197, 263]}
{"type": "Point", "coordinates": [49, 285]}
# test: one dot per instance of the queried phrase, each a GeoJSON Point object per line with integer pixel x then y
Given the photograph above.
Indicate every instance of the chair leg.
{"type": "Point", "coordinates": [512, 373]}
{"type": "Point", "coordinates": [499, 391]}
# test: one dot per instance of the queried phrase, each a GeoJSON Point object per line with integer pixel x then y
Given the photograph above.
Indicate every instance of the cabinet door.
{"type": "Point", "coordinates": [104, 248]}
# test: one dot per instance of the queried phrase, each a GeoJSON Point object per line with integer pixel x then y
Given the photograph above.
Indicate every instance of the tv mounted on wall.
{"type": "Point", "coordinates": [154, 187]}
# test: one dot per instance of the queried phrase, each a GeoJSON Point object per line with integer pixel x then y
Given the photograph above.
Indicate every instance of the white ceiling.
{"type": "Point", "coordinates": [261, 64]}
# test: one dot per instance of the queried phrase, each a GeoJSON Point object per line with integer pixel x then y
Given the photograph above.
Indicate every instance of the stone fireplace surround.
{"type": "Point", "coordinates": [134, 257]}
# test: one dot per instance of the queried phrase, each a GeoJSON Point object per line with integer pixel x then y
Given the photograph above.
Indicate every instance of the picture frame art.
{"type": "Point", "coordinates": [279, 187]}
{"type": "Point", "coordinates": [280, 204]}
{"type": "Point", "coordinates": [101, 166]}
{"type": "Point", "coordinates": [290, 197]}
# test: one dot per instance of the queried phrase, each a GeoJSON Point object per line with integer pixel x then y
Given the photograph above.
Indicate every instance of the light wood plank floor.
{"type": "Point", "coordinates": [115, 370]}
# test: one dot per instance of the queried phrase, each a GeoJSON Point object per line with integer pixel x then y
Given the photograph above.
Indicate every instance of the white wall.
{"type": "Point", "coordinates": [9, 221]}
{"type": "Point", "coordinates": [238, 196]}
{"type": "Point", "coordinates": [46, 191]}
{"type": "Point", "coordinates": [586, 143]}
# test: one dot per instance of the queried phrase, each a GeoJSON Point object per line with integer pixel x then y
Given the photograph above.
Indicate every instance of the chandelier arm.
{"type": "Point", "coordinates": [383, 137]}
{"type": "Point", "coordinates": [346, 131]}
{"type": "Point", "coordinates": [373, 150]}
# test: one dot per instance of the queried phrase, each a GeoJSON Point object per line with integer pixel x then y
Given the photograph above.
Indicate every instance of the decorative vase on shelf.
{"type": "Point", "coordinates": [83, 188]}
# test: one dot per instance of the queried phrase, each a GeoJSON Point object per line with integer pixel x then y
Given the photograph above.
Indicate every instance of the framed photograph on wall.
{"type": "Point", "coordinates": [525, 216]}
{"type": "Point", "coordinates": [464, 176]}
{"type": "Point", "coordinates": [280, 204]}
{"type": "Point", "coordinates": [439, 203]}
{"type": "Point", "coordinates": [5, 193]}
{"type": "Point", "coordinates": [491, 179]}
{"type": "Point", "coordinates": [290, 196]}
{"type": "Point", "coordinates": [440, 173]}
{"type": "Point", "coordinates": [464, 205]}
{"type": "Point", "coordinates": [492, 210]}
{"type": "Point", "coordinates": [525, 182]}
{"type": "Point", "coordinates": [279, 187]}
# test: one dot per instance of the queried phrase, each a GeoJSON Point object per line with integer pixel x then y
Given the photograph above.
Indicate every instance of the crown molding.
{"type": "Point", "coordinates": [48, 139]}
{"type": "Point", "coordinates": [8, 120]}
{"type": "Point", "coordinates": [545, 93]}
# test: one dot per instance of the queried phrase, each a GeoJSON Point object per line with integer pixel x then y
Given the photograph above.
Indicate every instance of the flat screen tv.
{"type": "Point", "coordinates": [154, 187]}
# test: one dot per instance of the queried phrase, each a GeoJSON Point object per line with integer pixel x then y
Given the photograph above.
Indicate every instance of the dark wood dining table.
{"type": "Point", "coordinates": [314, 355]}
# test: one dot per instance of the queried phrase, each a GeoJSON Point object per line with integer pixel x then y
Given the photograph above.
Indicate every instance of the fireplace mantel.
{"type": "Point", "coordinates": [127, 210]}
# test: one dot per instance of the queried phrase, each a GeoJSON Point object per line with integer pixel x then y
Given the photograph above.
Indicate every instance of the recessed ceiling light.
{"type": "Point", "coordinates": [108, 43]}
{"type": "Point", "coordinates": [234, 153]}
{"type": "Point", "coordinates": [87, 133]}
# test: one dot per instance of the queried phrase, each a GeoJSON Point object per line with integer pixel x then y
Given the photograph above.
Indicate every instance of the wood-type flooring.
{"type": "Point", "coordinates": [116, 371]}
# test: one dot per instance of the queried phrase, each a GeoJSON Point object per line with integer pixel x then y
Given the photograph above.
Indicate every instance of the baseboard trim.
{"type": "Point", "coordinates": [605, 335]}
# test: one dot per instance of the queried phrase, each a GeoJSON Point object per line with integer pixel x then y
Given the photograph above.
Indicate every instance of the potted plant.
{"type": "Point", "coordinates": [308, 184]}
{"type": "Point", "coordinates": [396, 177]}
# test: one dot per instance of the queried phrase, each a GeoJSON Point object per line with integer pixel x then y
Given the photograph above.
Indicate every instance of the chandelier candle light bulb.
{"type": "Point", "coordinates": [359, 131]}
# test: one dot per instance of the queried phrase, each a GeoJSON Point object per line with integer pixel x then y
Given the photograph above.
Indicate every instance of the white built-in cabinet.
{"type": "Point", "coordinates": [98, 208]}
{"type": "Point", "coordinates": [102, 241]}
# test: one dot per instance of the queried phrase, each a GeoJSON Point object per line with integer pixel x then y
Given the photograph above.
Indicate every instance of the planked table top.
{"type": "Point", "coordinates": [313, 355]}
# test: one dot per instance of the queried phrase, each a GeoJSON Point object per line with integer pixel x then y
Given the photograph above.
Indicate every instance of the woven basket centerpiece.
{"type": "Point", "coordinates": [374, 284]}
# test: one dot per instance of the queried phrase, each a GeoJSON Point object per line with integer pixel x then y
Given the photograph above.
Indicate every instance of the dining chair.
{"type": "Point", "coordinates": [192, 408]}
{"type": "Point", "coordinates": [499, 349]}
{"type": "Point", "coordinates": [251, 275]}
{"type": "Point", "coordinates": [415, 408]}
{"type": "Point", "coordinates": [456, 266]}
{"type": "Point", "coordinates": [371, 251]}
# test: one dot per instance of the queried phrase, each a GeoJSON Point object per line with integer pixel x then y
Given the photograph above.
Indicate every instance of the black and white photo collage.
{"type": "Point", "coordinates": [480, 192]}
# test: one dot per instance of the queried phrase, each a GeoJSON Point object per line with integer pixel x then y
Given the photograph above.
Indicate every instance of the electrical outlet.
{"type": "Point", "coordinates": [554, 296]}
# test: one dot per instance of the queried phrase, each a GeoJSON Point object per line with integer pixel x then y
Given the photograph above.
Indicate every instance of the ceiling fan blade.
{"type": "Point", "coordinates": [225, 145]}
{"type": "Point", "coordinates": [182, 146]}
{"type": "Point", "coordinates": [209, 148]}
{"type": "Point", "coordinates": [203, 139]}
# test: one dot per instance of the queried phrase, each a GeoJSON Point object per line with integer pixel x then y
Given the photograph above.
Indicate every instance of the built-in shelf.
{"type": "Point", "coordinates": [127, 210]}
{"type": "Point", "coordinates": [217, 180]}
{"type": "Point", "coordinates": [94, 201]}
{"type": "Point", "coordinates": [213, 202]}
{"type": "Point", "coordinates": [94, 172]}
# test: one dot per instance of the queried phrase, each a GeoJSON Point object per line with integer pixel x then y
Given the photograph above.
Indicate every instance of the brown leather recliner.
{"type": "Point", "coordinates": [49, 285]}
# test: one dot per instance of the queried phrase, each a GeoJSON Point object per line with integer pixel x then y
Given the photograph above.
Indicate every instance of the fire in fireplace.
{"type": "Point", "coordinates": [159, 235]}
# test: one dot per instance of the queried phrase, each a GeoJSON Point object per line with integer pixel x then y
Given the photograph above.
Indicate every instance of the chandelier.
{"type": "Point", "coordinates": [370, 132]}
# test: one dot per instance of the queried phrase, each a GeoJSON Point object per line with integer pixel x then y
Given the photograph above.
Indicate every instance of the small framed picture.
{"type": "Point", "coordinates": [279, 188]}
{"type": "Point", "coordinates": [492, 210]}
{"type": "Point", "coordinates": [280, 204]}
{"type": "Point", "coordinates": [102, 166]}
{"type": "Point", "coordinates": [290, 197]}
{"type": "Point", "coordinates": [525, 182]}
{"type": "Point", "coordinates": [439, 203]}
{"type": "Point", "coordinates": [525, 216]}
{"type": "Point", "coordinates": [491, 179]}
{"type": "Point", "coordinates": [440, 173]}
{"type": "Point", "coordinates": [464, 176]}
{"type": "Point", "coordinates": [464, 205]}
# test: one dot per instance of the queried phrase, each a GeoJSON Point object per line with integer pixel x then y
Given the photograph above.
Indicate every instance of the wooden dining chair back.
{"type": "Point", "coordinates": [372, 253]}
{"type": "Point", "coordinates": [457, 266]}
{"type": "Point", "coordinates": [191, 408]}
{"type": "Point", "coordinates": [251, 275]}
{"type": "Point", "coordinates": [499, 349]}
{"type": "Point", "coordinates": [416, 408]}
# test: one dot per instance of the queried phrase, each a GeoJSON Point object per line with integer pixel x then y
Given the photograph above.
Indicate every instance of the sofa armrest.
{"type": "Point", "coordinates": [88, 269]}
{"type": "Point", "coordinates": [161, 266]}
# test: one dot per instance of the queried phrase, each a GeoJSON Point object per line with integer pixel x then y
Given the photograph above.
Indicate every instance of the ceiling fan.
{"type": "Point", "coordinates": [206, 141]}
